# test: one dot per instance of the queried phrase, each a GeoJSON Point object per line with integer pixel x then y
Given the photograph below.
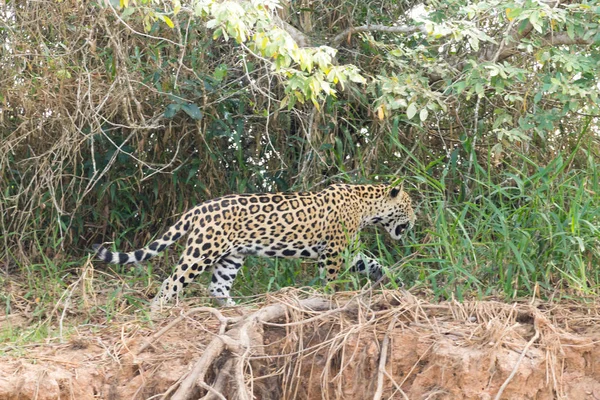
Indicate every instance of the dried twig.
{"type": "Point", "coordinates": [382, 360]}
{"type": "Point", "coordinates": [224, 321]}
{"type": "Point", "coordinates": [518, 363]}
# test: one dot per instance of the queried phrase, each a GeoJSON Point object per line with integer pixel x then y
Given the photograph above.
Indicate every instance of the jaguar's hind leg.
{"type": "Point", "coordinates": [187, 269]}
{"type": "Point", "coordinates": [224, 273]}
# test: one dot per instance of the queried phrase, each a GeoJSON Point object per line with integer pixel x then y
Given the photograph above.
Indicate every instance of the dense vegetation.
{"type": "Point", "coordinates": [117, 116]}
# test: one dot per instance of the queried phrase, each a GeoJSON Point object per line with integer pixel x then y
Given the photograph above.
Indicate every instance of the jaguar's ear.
{"type": "Point", "coordinates": [394, 192]}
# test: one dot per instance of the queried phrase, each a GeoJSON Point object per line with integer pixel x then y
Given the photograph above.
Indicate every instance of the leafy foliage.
{"type": "Point", "coordinates": [116, 116]}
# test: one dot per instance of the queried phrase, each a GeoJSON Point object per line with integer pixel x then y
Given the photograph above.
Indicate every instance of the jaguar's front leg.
{"type": "Point", "coordinates": [330, 263]}
{"type": "Point", "coordinates": [367, 266]}
{"type": "Point", "coordinates": [371, 267]}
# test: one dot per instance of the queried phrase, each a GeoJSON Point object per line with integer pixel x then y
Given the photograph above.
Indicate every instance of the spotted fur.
{"type": "Point", "coordinates": [318, 225]}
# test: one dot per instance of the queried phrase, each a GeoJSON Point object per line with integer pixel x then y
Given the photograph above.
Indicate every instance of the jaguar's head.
{"type": "Point", "coordinates": [395, 213]}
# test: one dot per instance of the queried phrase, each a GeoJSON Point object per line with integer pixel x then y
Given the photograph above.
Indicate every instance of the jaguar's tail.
{"type": "Point", "coordinates": [175, 232]}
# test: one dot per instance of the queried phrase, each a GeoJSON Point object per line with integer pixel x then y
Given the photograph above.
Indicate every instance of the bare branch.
{"type": "Point", "coordinates": [551, 39]}
{"type": "Point", "coordinates": [562, 38]}
{"type": "Point", "coordinates": [337, 40]}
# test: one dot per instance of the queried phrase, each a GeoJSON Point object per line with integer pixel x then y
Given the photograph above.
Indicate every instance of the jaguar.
{"type": "Point", "coordinates": [320, 225]}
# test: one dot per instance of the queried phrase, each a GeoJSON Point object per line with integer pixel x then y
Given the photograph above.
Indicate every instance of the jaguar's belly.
{"type": "Point", "coordinates": [295, 249]}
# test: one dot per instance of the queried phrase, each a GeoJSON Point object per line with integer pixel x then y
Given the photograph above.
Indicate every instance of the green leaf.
{"type": "Point", "coordinates": [127, 13]}
{"type": "Point", "coordinates": [474, 42]}
{"type": "Point", "coordinates": [220, 72]}
{"type": "Point", "coordinates": [211, 24]}
{"type": "Point", "coordinates": [494, 70]}
{"type": "Point", "coordinates": [479, 89]}
{"type": "Point", "coordinates": [63, 74]}
{"type": "Point", "coordinates": [356, 77]}
{"type": "Point", "coordinates": [168, 21]}
{"type": "Point", "coordinates": [192, 110]}
{"type": "Point", "coordinates": [512, 13]}
{"type": "Point", "coordinates": [176, 7]}
{"type": "Point", "coordinates": [534, 19]}
{"type": "Point", "coordinates": [460, 86]}
{"type": "Point", "coordinates": [571, 31]}
{"type": "Point", "coordinates": [411, 111]}
{"type": "Point", "coordinates": [171, 110]}
{"type": "Point", "coordinates": [423, 114]}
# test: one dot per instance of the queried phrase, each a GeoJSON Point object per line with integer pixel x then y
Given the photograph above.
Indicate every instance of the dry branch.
{"type": "Point", "coordinates": [382, 361]}
{"type": "Point", "coordinates": [516, 368]}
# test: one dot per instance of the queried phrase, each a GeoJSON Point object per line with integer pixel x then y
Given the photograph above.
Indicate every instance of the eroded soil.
{"type": "Point", "coordinates": [473, 350]}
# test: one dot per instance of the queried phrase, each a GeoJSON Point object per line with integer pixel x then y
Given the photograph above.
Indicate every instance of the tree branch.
{"type": "Point", "coordinates": [337, 40]}
{"type": "Point", "coordinates": [562, 38]}
{"type": "Point", "coordinates": [551, 39]}
{"type": "Point", "coordinates": [301, 39]}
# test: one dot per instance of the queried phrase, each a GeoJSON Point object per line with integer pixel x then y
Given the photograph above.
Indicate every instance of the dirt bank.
{"type": "Point", "coordinates": [389, 345]}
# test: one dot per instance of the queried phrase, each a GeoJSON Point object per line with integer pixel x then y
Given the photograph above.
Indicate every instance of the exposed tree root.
{"type": "Point", "coordinates": [385, 344]}
{"type": "Point", "coordinates": [224, 321]}
{"type": "Point", "coordinates": [242, 339]}
{"type": "Point", "coordinates": [382, 361]}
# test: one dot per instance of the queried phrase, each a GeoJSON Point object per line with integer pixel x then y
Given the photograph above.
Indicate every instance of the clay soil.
{"type": "Point", "coordinates": [384, 345]}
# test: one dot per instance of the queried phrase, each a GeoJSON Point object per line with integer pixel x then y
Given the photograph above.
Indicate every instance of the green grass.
{"type": "Point", "coordinates": [528, 230]}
